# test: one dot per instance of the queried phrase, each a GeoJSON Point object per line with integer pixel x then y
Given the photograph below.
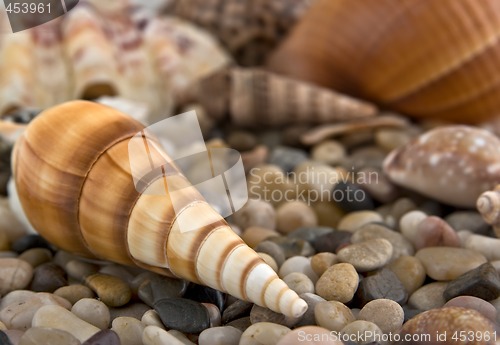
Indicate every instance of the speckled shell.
{"type": "Point", "coordinates": [73, 178]}
{"type": "Point", "coordinates": [255, 97]}
{"type": "Point", "coordinates": [452, 164]}
{"type": "Point", "coordinates": [432, 59]}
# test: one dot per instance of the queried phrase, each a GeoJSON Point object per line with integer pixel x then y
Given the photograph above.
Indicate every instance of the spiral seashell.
{"type": "Point", "coordinates": [254, 97]}
{"type": "Point", "coordinates": [249, 29]}
{"type": "Point", "coordinates": [488, 205]}
{"type": "Point", "coordinates": [452, 164]}
{"type": "Point", "coordinates": [73, 177]}
{"type": "Point", "coordinates": [429, 59]}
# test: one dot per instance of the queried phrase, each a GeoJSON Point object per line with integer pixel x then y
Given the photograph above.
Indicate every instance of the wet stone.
{"type": "Point", "coordinates": [331, 242]}
{"type": "Point", "coordinates": [205, 294]}
{"type": "Point", "coordinates": [261, 314]}
{"type": "Point", "coordinates": [287, 158]}
{"type": "Point", "coordinates": [367, 255]}
{"type": "Point", "coordinates": [47, 336]}
{"type": "Point", "coordinates": [351, 198]}
{"type": "Point", "coordinates": [104, 337]}
{"type": "Point", "coordinates": [429, 296]}
{"type": "Point", "coordinates": [310, 234]}
{"type": "Point", "coordinates": [482, 282]}
{"type": "Point", "coordinates": [293, 246]}
{"type": "Point", "coordinates": [28, 242]}
{"type": "Point", "coordinates": [48, 277]}
{"type": "Point", "coordinates": [236, 310]}
{"type": "Point", "coordinates": [383, 284]}
{"type": "Point", "coordinates": [183, 314]}
{"type": "Point", "coordinates": [272, 249]}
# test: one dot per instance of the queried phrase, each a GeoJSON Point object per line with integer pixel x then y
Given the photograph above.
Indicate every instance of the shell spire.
{"type": "Point", "coordinates": [83, 199]}
{"type": "Point", "coordinates": [488, 205]}
{"type": "Point", "coordinates": [256, 97]}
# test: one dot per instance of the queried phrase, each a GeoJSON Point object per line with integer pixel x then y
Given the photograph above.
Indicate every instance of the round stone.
{"type": "Point", "coordinates": [151, 318]}
{"type": "Point", "coordinates": [441, 324]}
{"type": "Point", "coordinates": [128, 329]}
{"type": "Point", "coordinates": [322, 261]}
{"type": "Point", "coordinates": [294, 214]}
{"type": "Point", "coordinates": [263, 333]}
{"type": "Point", "coordinates": [272, 249]}
{"type": "Point", "coordinates": [328, 213]}
{"type": "Point", "coordinates": [112, 291]}
{"type": "Point", "coordinates": [226, 335]}
{"type": "Point", "coordinates": [309, 335]}
{"type": "Point", "coordinates": [293, 246]}
{"type": "Point", "coordinates": [331, 242]}
{"type": "Point", "coordinates": [351, 198]}
{"type": "Point", "coordinates": [471, 302]}
{"type": "Point", "coordinates": [74, 293]}
{"type": "Point", "coordinates": [338, 283]}
{"type": "Point", "coordinates": [409, 222]}
{"type": "Point", "coordinates": [205, 294]}
{"type": "Point", "coordinates": [410, 272]}
{"type": "Point", "coordinates": [287, 158]}
{"type": "Point", "coordinates": [445, 263]}
{"type": "Point", "coordinates": [355, 220]}
{"type": "Point", "coordinates": [368, 255]}
{"type": "Point", "coordinates": [299, 282]}
{"type": "Point", "coordinates": [15, 274]}
{"type": "Point", "coordinates": [47, 336]}
{"type": "Point", "coordinates": [435, 232]}
{"type": "Point", "coordinates": [255, 234]}
{"type": "Point", "coordinates": [183, 314]}
{"type": "Point", "coordinates": [93, 311]}
{"type": "Point", "coordinates": [385, 313]}
{"type": "Point", "coordinates": [298, 264]}
{"type": "Point", "coordinates": [362, 332]}
{"type": "Point", "coordinates": [256, 212]}
{"type": "Point", "coordinates": [48, 277]}
{"type": "Point", "coordinates": [400, 245]}
{"type": "Point", "coordinates": [241, 140]}
{"type": "Point", "coordinates": [429, 296]}
{"type": "Point", "coordinates": [330, 152]}
{"type": "Point", "coordinates": [383, 284]}
{"type": "Point", "coordinates": [154, 335]}
{"type": "Point", "coordinates": [214, 314]}
{"type": "Point", "coordinates": [268, 259]}
{"type": "Point", "coordinates": [79, 270]}
{"type": "Point", "coordinates": [333, 315]}
{"type": "Point", "coordinates": [36, 256]}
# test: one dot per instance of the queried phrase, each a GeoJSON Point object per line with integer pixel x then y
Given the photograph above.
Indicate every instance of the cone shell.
{"type": "Point", "coordinates": [73, 177]}
{"type": "Point", "coordinates": [255, 97]}
{"type": "Point", "coordinates": [429, 59]}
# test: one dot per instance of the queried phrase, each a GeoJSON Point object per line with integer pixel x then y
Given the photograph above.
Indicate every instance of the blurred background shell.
{"type": "Point", "coordinates": [428, 59]}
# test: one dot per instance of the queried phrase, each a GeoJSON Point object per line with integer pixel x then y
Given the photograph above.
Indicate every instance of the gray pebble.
{"type": "Point", "coordinates": [429, 296]}
{"type": "Point", "coordinates": [310, 234]}
{"type": "Point", "coordinates": [467, 220]}
{"type": "Point", "coordinates": [93, 311]}
{"type": "Point", "coordinates": [299, 264]}
{"type": "Point", "coordinates": [48, 277]}
{"type": "Point", "coordinates": [273, 250]}
{"type": "Point", "coordinates": [79, 270]}
{"type": "Point", "coordinates": [242, 323]}
{"type": "Point", "coordinates": [287, 158]}
{"type": "Point", "coordinates": [135, 310]}
{"type": "Point", "coordinates": [183, 314]}
{"type": "Point", "coordinates": [383, 284]}
{"type": "Point", "coordinates": [236, 310]}
{"type": "Point", "coordinates": [15, 274]}
{"type": "Point", "coordinates": [368, 255]}
{"type": "Point", "coordinates": [293, 246]}
{"type": "Point", "coordinates": [47, 336]}
{"type": "Point", "coordinates": [104, 337]}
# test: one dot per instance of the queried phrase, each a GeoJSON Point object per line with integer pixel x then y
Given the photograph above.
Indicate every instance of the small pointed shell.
{"type": "Point", "coordinates": [488, 204]}
{"type": "Point", "coordinates": [74, 181]}
{"type": "Point", "coordinates": [453, 164]}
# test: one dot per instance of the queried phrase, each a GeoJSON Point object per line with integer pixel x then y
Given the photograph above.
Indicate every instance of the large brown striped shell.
{"type": "Point", "coordinates": [73, 177]}
{"type": "Point", "coordinates": [433, 59]}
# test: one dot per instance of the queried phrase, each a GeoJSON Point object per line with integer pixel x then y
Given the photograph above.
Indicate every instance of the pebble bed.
{"type": "Point", "coordinates": [378, 261]}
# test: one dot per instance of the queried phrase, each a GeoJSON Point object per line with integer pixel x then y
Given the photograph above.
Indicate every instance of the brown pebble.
{"type": "Point", "coordinates": [410, 272]}
{"type": "Point", "coordinates": [322, 261]}
{"type": "Point", "coordinates": [355, 220]}
{"type": "Point", "coordinates": [338, 283]}
{"type": "Point", "coordinates": [112, 291]}
{"type": "Point", "coordinates": [328, 213]}
{"type": "Point", "coordinates": [74, 293]}
{"type": "Point", "coordinates": [448, 321]}
{"type": "Point", "coordinates": [295, 214]}
{"type": "Point", "coordinates": [255, 234]}
{"type": "Point", "coordinates": [36, 256]}
{"type": "Point", "coordinates": [330, 152]}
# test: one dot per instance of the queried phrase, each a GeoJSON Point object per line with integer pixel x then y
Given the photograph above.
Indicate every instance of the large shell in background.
{"type": "Point", "coordinates": [452, 164]}
{"type": "Point", "coordinates": [429, 59]}
{"type": "Point", "coordinates": [255, 97]}
{"type": "Point", "coordinates": [249, 29]}
{"type": "Point", "coordinates": [73, 177]}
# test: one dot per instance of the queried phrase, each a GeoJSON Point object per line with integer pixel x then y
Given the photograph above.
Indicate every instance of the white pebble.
{"type": "Point", "coordinates": [153, 335]}
{"type": "Point", "coordinates": [227, 335]}
{"type": "Point", "coordinates": [93, 311]}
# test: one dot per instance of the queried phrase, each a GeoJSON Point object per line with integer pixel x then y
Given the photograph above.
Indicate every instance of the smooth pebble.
{"type": "Point", "coordinates": [263, 333]}
{"type": "Point", "coordinates": [151, 318]}
{"type": "Point", "coordinates": [322, 261]}
{"type": "Point", "coordinates": [383, 284]}
{"type": "Point", "coordinates": [48, 277]}
{"type": "Point", "coordinates": [385, 313]}
{"type": "Point", "coordinates": [261, 314]}
{"type": "Point", "coordinates": [93, 311]}
{"type": "Point", "coordinates": [104, 337]}
{"type": "Point", "coordinates": [298, 264]}
{"type": "Point", "coordinates": [368, 255]}
{"type": "Point", "coordinates": [429, 296]}
{"type": "Point", "coordinates": [401, 246]}
{"type": "Point", "coordinates": [226, 335]}
{"type": "Point", "coordinates": [471, 302]}
{"type": "Point", "coordinates": [36, 256]}
{"type": "Point", "coordinates": [253, 235]}
{"type": "Point", "coordinates": [256, 212]}
{"type": "Point", "coordinates": [272, 249]}
{"type": "Point", "coordinates": [153, 335]}
{"type": "Point", "coordinates": [47, 336]}
{"type": "Point", "coordinates": [362, 332]}
{"type": "Point", "coordinates": [183, 314]}
{"type": "Point", "coordinates": [410, 272]}
{"type": "Point", "coordinates": [268, 259]}
{"type": "Point", "coordinates": [312, 300]}
{"type": "Point", "coordinates": [74, 293]}
{"type": "Point", "coordinates": [333, 315]}
{"type": "Point", "coordinates": [338, 283]}
{"type": "Point", "coordinates": [482, 282]}
{"type": "Point", "coordinates": [129, 330]}
{"type": "Point", "coordinates": [355, 220]}
{"type": "Point", "coordinates": [15, 274]}
{"type": "Point", "coordinates": [299, 282]}
{"type": "Point", "coordinates": [111, 290]}
{"type": "Point", "coordinates": [293, 215]}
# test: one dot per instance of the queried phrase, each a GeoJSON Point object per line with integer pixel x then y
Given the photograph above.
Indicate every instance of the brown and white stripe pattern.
{"type": "Point", "coordinates": [89, 190]}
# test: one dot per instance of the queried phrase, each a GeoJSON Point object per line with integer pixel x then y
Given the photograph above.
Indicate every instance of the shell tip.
{"type": "Point", "coordinates": [299, 307]}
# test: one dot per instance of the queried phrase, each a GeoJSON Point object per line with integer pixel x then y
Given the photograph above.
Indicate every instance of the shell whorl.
{"type": "Point", "coordinates": [73, 176]}
{"type": "Point", "coordinates": [488, 204]}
